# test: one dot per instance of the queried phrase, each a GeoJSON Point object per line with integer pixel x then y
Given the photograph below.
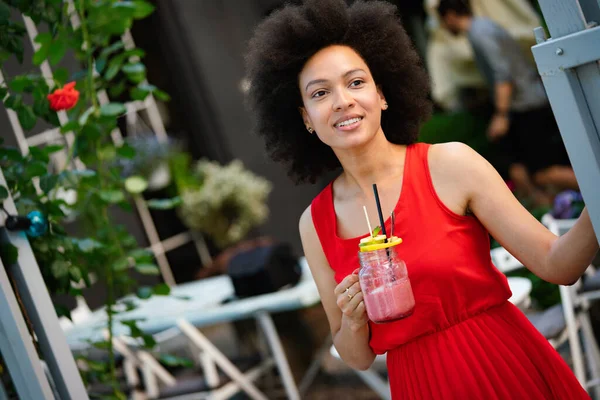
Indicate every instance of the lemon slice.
{"type": "Point", "coordinates": [372, 240]}
{"type": "Point", "coordinates": [377, 246]}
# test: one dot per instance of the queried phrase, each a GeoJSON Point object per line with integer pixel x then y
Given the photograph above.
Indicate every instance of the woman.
{"type": "Point", "coordinates": [335, 86]}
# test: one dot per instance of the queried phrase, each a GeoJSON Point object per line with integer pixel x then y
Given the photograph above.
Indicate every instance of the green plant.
{"type": "Point", "coordinates": [224, 202]}
{"type": "Point", "coordinates": [105, 250]}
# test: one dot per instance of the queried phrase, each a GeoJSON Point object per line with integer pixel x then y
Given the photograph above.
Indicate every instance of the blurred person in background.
{"type": "Point", "coordinates": [522, 126]}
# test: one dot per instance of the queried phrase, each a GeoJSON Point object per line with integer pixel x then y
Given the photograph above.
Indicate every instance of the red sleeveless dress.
{"type": "Point", "coordinates": [464, 339]}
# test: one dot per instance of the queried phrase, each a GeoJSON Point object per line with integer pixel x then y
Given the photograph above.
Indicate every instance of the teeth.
{"type": "Point", "coordinates": [349, 122]}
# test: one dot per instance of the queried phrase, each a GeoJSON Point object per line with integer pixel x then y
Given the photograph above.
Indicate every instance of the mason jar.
{"type": "Point", "coordinates": [386, 288]}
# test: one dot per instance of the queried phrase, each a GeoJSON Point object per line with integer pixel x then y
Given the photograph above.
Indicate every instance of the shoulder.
{"type": "Point", "coordinates": [306, 225]}
{"type": "Point", "coordinates": [451, 152]}
{"type": "Point", "coordinates": [484, 29]}
{"type": "Point", "coordinates": [458, 163]}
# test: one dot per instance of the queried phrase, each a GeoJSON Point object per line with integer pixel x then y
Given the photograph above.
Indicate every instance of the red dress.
{"type": "Point", "coordinates": [464, 340]}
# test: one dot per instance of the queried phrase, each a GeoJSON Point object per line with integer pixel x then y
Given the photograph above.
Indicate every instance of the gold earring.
{"type": "Point", "coordinates": [310, 130]}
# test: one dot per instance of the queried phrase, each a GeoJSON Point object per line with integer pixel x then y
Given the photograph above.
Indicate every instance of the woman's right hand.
{"type": "Point", "coordinates": [351, 302]}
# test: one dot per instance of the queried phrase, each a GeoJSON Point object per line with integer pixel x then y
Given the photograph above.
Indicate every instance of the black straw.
{"type": "Point", "coordinates": [381, 221]}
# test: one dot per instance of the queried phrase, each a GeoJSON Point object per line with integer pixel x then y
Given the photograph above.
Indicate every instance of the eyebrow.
{"type": "Point", "coordinates": [315, 81]}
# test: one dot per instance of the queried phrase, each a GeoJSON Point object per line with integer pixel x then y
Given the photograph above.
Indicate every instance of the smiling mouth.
{"type": "Point", "coordinates": [348, 122]}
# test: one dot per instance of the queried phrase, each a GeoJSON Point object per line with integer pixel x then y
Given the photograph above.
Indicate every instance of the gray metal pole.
{"type": "Point", "coordinates": [38, 304]}
{"type": "Point", "coordinates": [572, 83]}
{"type": "Point", "coordinates": [17, 349]}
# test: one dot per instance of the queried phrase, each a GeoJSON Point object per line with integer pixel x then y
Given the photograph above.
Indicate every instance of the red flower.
{"type": "Point", "coordinates": [64, 98]}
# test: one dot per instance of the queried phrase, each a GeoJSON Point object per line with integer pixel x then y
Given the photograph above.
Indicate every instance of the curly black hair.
{"type": "Point", "coordinates": [284, 42]}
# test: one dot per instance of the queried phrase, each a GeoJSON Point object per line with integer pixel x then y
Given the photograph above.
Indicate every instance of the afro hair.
{"type": "Point", "coordinates": [289, 37]}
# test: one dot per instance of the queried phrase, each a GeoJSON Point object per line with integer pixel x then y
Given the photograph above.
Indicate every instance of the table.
{"type": "Point", "coordinates": [201, 304]}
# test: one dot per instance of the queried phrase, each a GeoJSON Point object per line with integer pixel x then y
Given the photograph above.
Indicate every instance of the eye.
{"type": "Point", "coordinates": [319, 93]}
{"type": "Point", "coordinates": [357, 82]}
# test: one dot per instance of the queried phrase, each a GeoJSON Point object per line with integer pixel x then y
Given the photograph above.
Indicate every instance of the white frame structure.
{"type": "Point", "coordinates": [158, 247]}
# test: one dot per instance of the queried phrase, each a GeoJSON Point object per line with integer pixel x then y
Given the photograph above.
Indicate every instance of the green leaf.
{"type": "Point", "coordinates": [141, 256]}
{"type": "Point", "coordinates": [10, 154]}
{"type": "Point", "coordinates": [61, 75]}
{"type": "Point", "coordinates": [164, 204]}
{"type": "Point", "coordinates": [87, 245]}
{"type": "Point", "coordinates": [136, 72]}
{"type": "Point", "coordinates": [126, 151]}
{"type": "Point", "coordinates": [134, 68]}
{"type": "Point", "coordinates": [41, 54]}
{"type": "Point", "coordinates": [48, 182]}
{"type": "Point", "coordinates": [112, 109]}
{"type": "Point", "coordinates": [38, 154]}
{"type": "Point", "coordinates": [8, 253]}
{"type": "Point", "coordinates": [26, 117]}
{"type": "Point", "coordinates": [75, 274]}
{"type": "Point", "coordinates": [149, 341]}
{"type": "Point", "coordinates": [3, 193]}
{"type": "Point", "coordinates": [62, 311]}
{"type": "Point", "coordinates": [60, 268]}
{"type": "Point", "coordinates": [160, 95]}
{"type": "Point", "coordinates": [4, 14]}
{"type": "Point", "coordinates": [377, 230]}
{"type": "Point", "coordinates": [20, 83]}
{"type": "Point", "coordinates": [114, 66]}
{"type": "Point", "coordinates": [14, 101]}
{"type": "Point", "coordinates": [100, 64]}
{"type": "Point", "coordinates": [174, 361]}
{"type": "Point", "coordinates": [107, 153]}
{"type": "Point", "coordinates": [72, 125]}
{"type": "Point", "coordinates": [147, 269]}
{"type": "Point", "coordinates": [136, 184]}
{"type": "Point", "coordinates": [144, 292]}
{"type": "Point", "coordinates": [102, 345]}
{"type": "Point", "coordinates": [112, 196]}
{"type": "Point", "coordinates": [43, 38]}
{"type": "Point", "coordinates": [121, 264]}
{"type": "Point", "coordinates": [83, 119]}
{"type": "Point", "coordinates": [35, 169]}
{"type": "Point", "coordinates": [53, 148]}
{"type": "Point", "coordinates": [116, 46]}
{"type": "Point", "coordinates": [138, 94]}
{"type": "Point", "coordinates": [142, 9]}
{"type": "Point", "coordinates": [162, 289]}
{"type": "Point", "coordinates": [57, 50]}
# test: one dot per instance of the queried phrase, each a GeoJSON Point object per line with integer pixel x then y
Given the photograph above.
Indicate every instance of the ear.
{"type": "Point", "coordinates": [305, 117]}
{"type": "Point", "coordinates": [382, 101]}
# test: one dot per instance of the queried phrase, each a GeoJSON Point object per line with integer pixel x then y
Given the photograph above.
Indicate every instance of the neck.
{"type": "Point", "coordinates": [376, 162]}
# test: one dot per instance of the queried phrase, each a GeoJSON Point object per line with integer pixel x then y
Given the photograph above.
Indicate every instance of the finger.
{"type": "Point", "coordinates": [345, 283]}
{"type": "Point", "coordinates": [350, 308]}
{"type": "Point", "coordinates": [353, 290]}
{"type": "Point", "coordinates": [356, 300]}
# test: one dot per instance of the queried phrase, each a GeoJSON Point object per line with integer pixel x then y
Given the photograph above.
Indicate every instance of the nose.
{"type": "Point", "coordinates": [343, 100]}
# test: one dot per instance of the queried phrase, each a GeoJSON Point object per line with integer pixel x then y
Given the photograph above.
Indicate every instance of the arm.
{"type": "Point", "coordinates": [491, 49]}
{"type": "Point", "coordinates": [477, 185]}
{"type": "Point", "coordinates": [500, 121]}
{"type": "Point", "coordinates": [349, 330]}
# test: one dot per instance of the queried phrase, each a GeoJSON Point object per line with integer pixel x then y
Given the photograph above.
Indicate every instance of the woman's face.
{"type": "Point", "coordinates": [341, 101]}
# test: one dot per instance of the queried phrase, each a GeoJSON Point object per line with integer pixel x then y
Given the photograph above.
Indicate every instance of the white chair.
{"type": "Point", "coordinates": [576, 302]}
{"type": "Point", "coordinates": [159, 383]}
{"type": "Point", "coordinates": [371, 376]}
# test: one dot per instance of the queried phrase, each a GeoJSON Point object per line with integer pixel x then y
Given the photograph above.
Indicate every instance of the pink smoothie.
{"type": "Point", "coordinates": [390, 302]}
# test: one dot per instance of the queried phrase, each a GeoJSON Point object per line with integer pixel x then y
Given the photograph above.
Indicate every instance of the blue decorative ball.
{"type": "Point", "coordinates": [39, 224]}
